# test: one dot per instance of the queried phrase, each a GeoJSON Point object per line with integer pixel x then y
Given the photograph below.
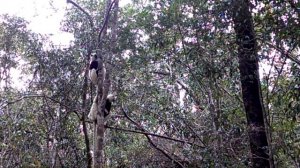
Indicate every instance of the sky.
{"type": "Point", "coordinates": [44, 17]}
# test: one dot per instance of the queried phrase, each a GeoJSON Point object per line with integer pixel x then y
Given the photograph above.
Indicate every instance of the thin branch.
{"type": "Point", "coordinates": [161, 73]}
{"type": "Point", "coordinates": [278, 76]}
{"type": "Point", "coordinates": [42, 96]}
{"type": "Point", "coordinates": [105, 22]}
{"type": "Point", "coordinates": [152, 134]}
{"type": "Point", "coordinates": [82, 10]}
{"type": "Point", "coordinates": [190, 92]}
{"type": "Point", "coordinates": [199, 138]}
{"type": "Point", "coordinates": [235, 96]}
{"type": "Point", "coordinates": [84, 108]}
{"type": "Point", "coordinates": [162, 151]}
{"type": "Point", "coordinates": [285, 53]}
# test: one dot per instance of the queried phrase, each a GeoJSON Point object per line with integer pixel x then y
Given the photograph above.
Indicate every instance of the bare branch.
{"type": "Point", "coordinates": [161, 73]}
{"type": "Point", "coordinates": [84, 109]}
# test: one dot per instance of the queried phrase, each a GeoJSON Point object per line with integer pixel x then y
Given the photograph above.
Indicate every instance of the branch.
{"type": "Point", "coordinates": [161, 73]}
{"type": "Point", "coordinates": [150, 140]}
{"type": "Point", "coordinates": [199, 138]}
{"type": "Point", "coordinates": [41, 96]}
{"type": "Point", "coordinates": [152, 134]}
{"type": "Point", "coordinates": [83, 108]}
{"type": "Point", "coordinates": [82, 10]}
{"type": "Point", "coordinates": [235, 96]}
{"type": "Point", "coordinates": [278, 77]}
{"type": "Point", "coordinates": [105, 22]}
{"type": "Point", "coordinates": [285, 53]}
{"type": "Point", "coordinates": [190, 92]}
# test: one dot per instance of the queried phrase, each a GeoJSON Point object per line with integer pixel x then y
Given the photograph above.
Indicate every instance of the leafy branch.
{"type": "Point", "coordinates": [82, 10]}
{"type": "Point", "coordinates": [105, 22]}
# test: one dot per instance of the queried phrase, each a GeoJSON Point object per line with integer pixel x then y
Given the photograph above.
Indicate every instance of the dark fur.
{"type": "Point", "coordinates": [94, 62]}
{"type": "Point", "coordinates": [107, 107]}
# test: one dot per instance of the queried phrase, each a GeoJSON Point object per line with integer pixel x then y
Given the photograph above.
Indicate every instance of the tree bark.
{"type": "Point", "coordinates": [102, 92]}
{"type": "Point", "coordinates": [84, 109]}
{"type": "Point", "coordinates": [249, 76]}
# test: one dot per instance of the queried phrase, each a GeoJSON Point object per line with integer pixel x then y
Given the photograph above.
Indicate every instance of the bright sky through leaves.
{"type": "Point", "coordinates": [44, 16]}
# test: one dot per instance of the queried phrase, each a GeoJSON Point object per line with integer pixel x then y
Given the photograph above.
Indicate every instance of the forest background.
{"type": "Point", "coordinates": [176, 70]}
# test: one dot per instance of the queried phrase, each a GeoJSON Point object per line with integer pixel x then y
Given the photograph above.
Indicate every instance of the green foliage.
{"type": "Point", "coordinates": [175, 72]}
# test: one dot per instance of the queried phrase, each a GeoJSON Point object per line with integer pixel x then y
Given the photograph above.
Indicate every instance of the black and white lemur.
{"type": "Point", "coordinates": [93, 74]}
{"type": "Point", "coordinates": [94, 71]}
{"type": "Point", "coordinates": [93, 112]}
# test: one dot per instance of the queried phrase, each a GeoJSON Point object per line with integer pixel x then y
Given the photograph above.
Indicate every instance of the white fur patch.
{"type": "Point", "coordinates": [93, 112]}
{"type": "Point", "coordinates": [93, 76]}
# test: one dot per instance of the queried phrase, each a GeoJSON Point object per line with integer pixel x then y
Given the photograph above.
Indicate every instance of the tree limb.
{"type": "Point", "coordinates": [152, 134]}
{"type": "Point", "coordinates": [76, 111]}
{"type": "Point", "coordinates": [189, 91]}
{"type": "Point", "coordinates": [105, 22]}
{"type": "Point", "coordinates": [285, 53]}
{"type": "Point", "coordinates": [83, 115]}
{"type": "Point", "coordinates": [82, 10]}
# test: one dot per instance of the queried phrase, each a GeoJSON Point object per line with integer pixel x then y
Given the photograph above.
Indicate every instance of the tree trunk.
{"type": "Point", "coordinates": [99, 135]}
{"type": "Point", "coordinates": [84, 109]}
{"type": "Point", "coordinates": [249, 76]}
{"type": "Point", "coordinates": [102, 92]}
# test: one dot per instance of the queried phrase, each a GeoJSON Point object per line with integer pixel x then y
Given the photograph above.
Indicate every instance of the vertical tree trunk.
{"type": "Point", "coordinates": [99, 134]}
{"type": "Point", "coordinates": [249, 76]}
{"type": "Point", "coordinates": [99, 122]}
{"type": "Point", "coordinates": [54, 145]}
{"type": "Point", "coordinates": [216, 125]}
{"type": "Point", "coordinates": [84, 109]}
{"type": "Point", "coordinates": [102, 92]}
